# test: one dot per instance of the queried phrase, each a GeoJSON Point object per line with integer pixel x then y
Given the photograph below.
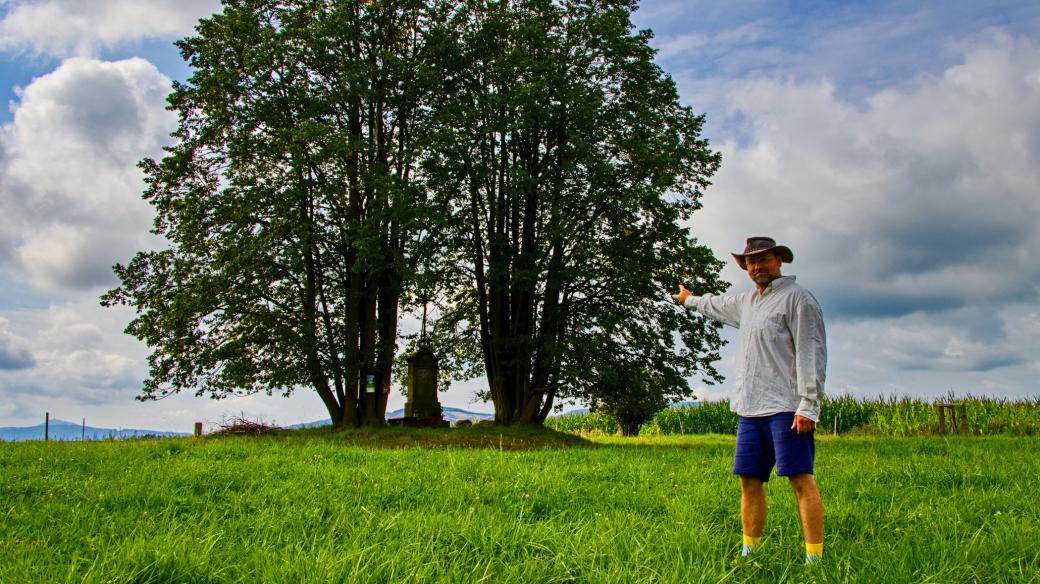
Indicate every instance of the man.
{"type": "Point", "coordinates": [781, 363]}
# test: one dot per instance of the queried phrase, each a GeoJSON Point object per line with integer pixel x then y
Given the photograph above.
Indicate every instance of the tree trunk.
{"type": "Point", "coordinates": [629, 426]}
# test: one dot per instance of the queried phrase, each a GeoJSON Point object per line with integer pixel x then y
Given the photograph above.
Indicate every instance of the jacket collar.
{"type": "Point", "coordinates": [778, 284]}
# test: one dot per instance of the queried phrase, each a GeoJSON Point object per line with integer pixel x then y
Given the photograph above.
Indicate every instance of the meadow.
{"type": "Point", "coordinates": [484, 504]}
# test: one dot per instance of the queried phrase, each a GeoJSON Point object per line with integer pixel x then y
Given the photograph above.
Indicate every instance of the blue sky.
{"type": "Point", "coordinates": [894, 146]}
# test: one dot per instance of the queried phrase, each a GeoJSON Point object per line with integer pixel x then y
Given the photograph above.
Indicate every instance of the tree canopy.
{"type": "Point", "coordinates": [290, 202]}
{"type": "Point", "coordinates": [524, 162]}
{"type": "Point", "coordinates": [568, 163]}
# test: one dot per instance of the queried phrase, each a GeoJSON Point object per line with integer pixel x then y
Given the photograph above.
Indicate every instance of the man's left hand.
{"type": "Point", "coordinates": [803, 425]}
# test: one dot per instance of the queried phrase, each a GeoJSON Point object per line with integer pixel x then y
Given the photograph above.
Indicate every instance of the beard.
{"type": "Point", "coordinates": [764, 278]}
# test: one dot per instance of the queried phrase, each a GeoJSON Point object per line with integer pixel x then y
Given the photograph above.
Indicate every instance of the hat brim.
{"type": "Point", "coordinates": [785, 253]}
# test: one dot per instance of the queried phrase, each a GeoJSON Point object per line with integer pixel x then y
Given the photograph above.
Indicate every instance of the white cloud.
{"type": "Point", "coordinates": [912, 216]}
{"type": "Point", "coordinates": [920, 342]}
{"type": "Point", "coordinates": [680, 45]}
{"type": "Point", "coordinates": [69, 182]}
{"type": "Point", "coordinates": [63, 28]}
{"type": "Point", "coordinates": [14, 350]}
{"type": "Point", "coordinates": [79, 351]}
{"type": "Point", "coordinates": [923, 199]}
{"type": "Point", "coordinates": [966, 351]}
{"type": "Point", "coordinates": [85, 367]}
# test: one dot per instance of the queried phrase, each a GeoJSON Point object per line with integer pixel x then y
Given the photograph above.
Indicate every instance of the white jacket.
{"type": "Point", "coordinates": [782, 356]}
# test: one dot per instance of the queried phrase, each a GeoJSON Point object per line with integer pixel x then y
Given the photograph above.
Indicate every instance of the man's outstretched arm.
{"type": "Point", "coordinates": [725, 309]}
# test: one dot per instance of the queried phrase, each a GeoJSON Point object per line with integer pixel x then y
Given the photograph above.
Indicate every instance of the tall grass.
{"type": "Point", "coordinates": [904, 417]}
{"type": "Point", "coordinates": [1018, 418]}
{"type": "Point", "coordinates": [886, 416]}
{"type": "Point", "coordinates": [844, 412]}
{"type": "Point", "coordinates": [707, 418]}
{"type": "Point", "coordinates": [316, 507]}
{"type": "Point", "coordinates": [584, 423]}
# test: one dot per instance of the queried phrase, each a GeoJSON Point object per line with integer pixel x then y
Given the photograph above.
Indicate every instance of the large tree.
{"type": "Point", "coordinates": [290, 203]}
{"type": "Point", "coordinates": [568, 164]}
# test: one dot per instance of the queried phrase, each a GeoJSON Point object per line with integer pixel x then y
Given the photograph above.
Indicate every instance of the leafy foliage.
{"type": "Point", "coordinates": [627, 394]}
{"type": "Point", "coordinates": [524, 166]}
{"type": "Point", "coordinates": [290, 204]}
{"type": "Point", "coordinates": [567, 164]}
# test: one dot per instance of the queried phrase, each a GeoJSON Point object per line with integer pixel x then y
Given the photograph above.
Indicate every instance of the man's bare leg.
{"type": "Point", "coordinates": [810, 508]}
{"type": "Point", "coordinates": [752, 511]}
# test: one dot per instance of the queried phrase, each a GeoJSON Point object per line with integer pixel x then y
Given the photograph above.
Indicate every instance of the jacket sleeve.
{"type": "Point", "coordinates": [810, 353]}
{"type": "Point", "coordinates": [725, 309]}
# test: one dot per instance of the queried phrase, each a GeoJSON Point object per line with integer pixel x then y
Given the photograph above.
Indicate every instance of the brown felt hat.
{"type": "Point", "coordinates": [760, 244]}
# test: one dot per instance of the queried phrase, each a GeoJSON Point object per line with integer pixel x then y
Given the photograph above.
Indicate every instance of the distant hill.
{"type": "Point", "coordinates": [685, 404]}
{"type": "Point", "coordinates": [449, 414]}
{"type": "Point", "coordinates": [315, 424]}
{"type": "Point", "coordinates": [62, 430]}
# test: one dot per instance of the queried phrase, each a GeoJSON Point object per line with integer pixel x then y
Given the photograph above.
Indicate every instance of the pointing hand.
{"type": "Point", "coordinates": [682, 295]}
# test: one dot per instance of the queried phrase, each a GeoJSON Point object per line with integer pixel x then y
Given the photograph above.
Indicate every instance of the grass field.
{"type": "Point", "coordinates": [486, 505]}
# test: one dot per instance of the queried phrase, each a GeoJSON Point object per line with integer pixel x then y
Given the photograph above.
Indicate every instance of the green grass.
{"type": "Point", "coordinates": [482, 504]}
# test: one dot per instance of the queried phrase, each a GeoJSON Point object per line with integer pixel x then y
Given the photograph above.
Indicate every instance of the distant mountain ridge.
{"type": "Point", "coordinates": [448, 413]}
{"type": "Point", "coordinates": [69, 431]}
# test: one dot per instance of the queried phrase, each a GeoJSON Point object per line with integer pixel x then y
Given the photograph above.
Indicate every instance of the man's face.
{"type": "Point", "coordinates": [763, 267]}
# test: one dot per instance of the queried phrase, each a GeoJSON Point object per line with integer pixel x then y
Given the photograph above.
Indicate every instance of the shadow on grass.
{"type": "Point", "coordinates": [493, 437]}
{"type": "Point", "coordinates": [670, 442]}
{"type": "Point", "coordinates": [473, 437]}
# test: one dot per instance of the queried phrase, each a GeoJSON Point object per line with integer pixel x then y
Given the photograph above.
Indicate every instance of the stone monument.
{"type": "Point", "coordinates": [422, 385]}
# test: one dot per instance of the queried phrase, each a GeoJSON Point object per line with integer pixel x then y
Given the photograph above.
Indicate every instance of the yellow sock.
{"type": "Point", "coordinates": [813, 552]}
{"type": "Point", "coordinates": [750, 543]}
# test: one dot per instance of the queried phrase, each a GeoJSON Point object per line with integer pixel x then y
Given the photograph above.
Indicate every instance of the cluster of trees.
{"type": "Point", "coordinates": [522, 164]}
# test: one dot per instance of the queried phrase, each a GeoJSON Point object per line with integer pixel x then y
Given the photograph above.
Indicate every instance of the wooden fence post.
{"type": "Point", "coordinates": [198, 429]}
{"type": "Point", "coordinates": [47, 427]}
{"type": "Point", "coordinates": [958, 423]}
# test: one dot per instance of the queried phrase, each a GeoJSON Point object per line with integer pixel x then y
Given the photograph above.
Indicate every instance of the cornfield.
{"type": "Point", "coordinates": [707, 418]}
{"type": "Point", "coordinates": [886, 416]}
{"type": "Point", "coordinates": [587, 423]}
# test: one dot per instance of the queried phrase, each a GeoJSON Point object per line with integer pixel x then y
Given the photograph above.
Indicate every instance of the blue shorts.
{"type": "Point", "coordinates": [765, 441]}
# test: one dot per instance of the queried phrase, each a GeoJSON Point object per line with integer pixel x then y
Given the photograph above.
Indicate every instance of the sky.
{"type": "Point", "coordinates": [893, 146]}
